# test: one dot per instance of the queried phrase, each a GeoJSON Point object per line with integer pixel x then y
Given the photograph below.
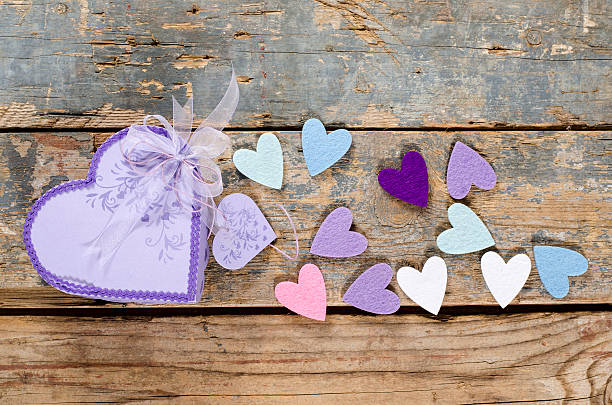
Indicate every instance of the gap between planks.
{"type": "Point", "coordinates": [332, 127]}
{"type": "Point", "coordinates": [161, 311]}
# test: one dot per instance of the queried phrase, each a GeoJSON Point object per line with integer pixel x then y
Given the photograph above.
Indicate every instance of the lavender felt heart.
{"type": "Point", "coordinates": [161, 260]}
{"type": "Point", "coordinates": [334, 238]}
{"type": "Point", "coordinates": [249, 232]}
{"type": "Point", "coordinates": [467, 167]}
{"type": "Point", "coordinates": [409, 184]}
{"type": "Point", "coordinates": [369, 291]}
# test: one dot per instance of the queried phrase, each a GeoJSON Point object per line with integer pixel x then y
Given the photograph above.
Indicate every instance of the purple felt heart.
{"type": "Point", "coordinates": [409, 184]}
{"type": "Point", "coordinates": [161, 260]}
{"type": "Point", "coordinates": [334, 238]}
{"type": "Point", "coordinates": [467, 167]}
{"type": "Point", "coordinates": [369, 291]}
{"type": "Point", "coordinates": [248, 233]}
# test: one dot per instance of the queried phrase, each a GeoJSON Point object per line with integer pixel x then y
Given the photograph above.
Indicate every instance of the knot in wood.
{"type": "Point", "coordinates": [61, 8]}
{"type": "Point", "coordinates": [534, 37]}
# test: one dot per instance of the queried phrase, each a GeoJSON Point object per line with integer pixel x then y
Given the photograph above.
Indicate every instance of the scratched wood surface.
{"type": "Point", "coordinates": [401, 359]}
{"type": "Point", "coordinates": [525, 83]}
{"type": "Point", "coordinates": [553, 188]}
{"type": "Point", "coordinates": [370, 63]}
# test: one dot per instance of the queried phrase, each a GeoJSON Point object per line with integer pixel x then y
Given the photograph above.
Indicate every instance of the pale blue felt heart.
{"type": "Point", "coordinates": [555, 265]}
{"type": "Point", "coordinates": [321, 150]}
{"type": "Point", "coordinates": [468, 234]}
{"type": "Point", "coordinates": [264, 166]}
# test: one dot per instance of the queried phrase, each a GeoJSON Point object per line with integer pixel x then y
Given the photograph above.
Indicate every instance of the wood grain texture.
{"type": "Point", "coordinates": [406, 359]}
{"type": "Point", "coordinates": [553, 188]}
{"type": "Point", "coordinates": [379, 68]}
{"type": "Point", "coordinates": [367, 63]}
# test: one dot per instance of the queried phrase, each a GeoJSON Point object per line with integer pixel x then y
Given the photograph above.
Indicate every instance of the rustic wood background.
{"type": "Point", "coordinates": [526, 83]}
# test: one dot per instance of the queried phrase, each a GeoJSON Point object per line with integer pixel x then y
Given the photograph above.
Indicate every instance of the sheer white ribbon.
{"type": "Point", "coordinates": [167, 174]}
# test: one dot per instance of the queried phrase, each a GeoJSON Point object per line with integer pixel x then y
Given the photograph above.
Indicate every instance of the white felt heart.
{"type": "Point", "coordinates": [161, 260]}
{"type": "Point", "coordinates": [426, 288]}
{"type": "Point", "coordinates": [505, 280]}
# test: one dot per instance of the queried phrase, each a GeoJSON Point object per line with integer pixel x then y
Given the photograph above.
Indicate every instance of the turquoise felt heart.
{"type": "Point", "coordinates": [321, 150]}
{"type": "Point", "coordinates": [264, 166]}
{"type": "Point", "coordinates": [468, 234]}
{"type": "Point", "coordinates": [555, 265]}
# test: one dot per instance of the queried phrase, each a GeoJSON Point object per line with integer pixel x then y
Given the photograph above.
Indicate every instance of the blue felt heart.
{"type": "Point", "coordinates": [264, 166]}
{"type": "Point", "coordinates": [555, 265]}
{"type": "Point", "coordinates": [468, 234]}
{"type": "Point", "coordinates": [321, 150]}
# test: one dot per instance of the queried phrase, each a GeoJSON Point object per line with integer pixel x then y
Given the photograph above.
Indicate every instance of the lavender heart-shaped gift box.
{"type": "Point", "coordinates": [136, 229]}
{"type": "Point", "coordinates": [161, 260]}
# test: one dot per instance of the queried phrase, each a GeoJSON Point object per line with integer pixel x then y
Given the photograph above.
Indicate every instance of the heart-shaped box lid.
{"type": "Point", "coordinates": [148, 268]}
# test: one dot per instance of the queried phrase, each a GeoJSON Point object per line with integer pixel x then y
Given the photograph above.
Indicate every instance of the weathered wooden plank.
{"type": "Point", "coordinates": [553, 188]}
{"type": "Point", "coordinates": [528, 358]}
{"type": "Point", "coordinates": [367, 63]}
{"type": "Point", "coordinates": [30, 165]}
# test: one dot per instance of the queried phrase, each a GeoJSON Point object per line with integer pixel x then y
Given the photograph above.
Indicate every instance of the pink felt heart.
{"type": "Point", "coordinates": [161, 260]}
{"type": "Point", "coordinates": [334, 238]}
{"type": "Point", "coordinates": [308, 297]}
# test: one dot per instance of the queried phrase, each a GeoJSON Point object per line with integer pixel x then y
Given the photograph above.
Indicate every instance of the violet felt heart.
{"type": "Point", "coordinates": [249, 232]}
{"type": "Point", "coordinates": [334, 238]}
{"type": "Point", "coordinates": [161, 260]}
{"type": "Point", "coordinates": [369, 291]}
{"type": "Point", "coordinates": [467, 167]}
{"type": "Point", "coordinates": [409, 184]}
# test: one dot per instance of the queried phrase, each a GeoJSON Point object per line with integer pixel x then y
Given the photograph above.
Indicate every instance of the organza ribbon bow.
{"type": "Point", "coordinates": [167, 174]}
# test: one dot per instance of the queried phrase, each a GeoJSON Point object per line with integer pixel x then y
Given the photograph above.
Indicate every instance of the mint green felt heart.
{"type": "Point", "coordinates": [264, 166]}
{"type": "Point", "coordinates": [468, 234]}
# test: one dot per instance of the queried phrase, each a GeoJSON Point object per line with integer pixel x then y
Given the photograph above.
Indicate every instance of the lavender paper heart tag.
{"type": "Point", "coordinates": [245, 232]}
{"type": "Point", "coordinates": [135, 230]}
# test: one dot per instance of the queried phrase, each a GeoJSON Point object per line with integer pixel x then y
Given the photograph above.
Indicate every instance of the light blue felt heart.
{"type": "Point", "coordinates": [555, 265]}
{"type": "Point", "coordinates": [264, 166]}
{"type": "Point", "coordinates": [468, 234]}
{"type": "Point", "coordinates": [321, 150]}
